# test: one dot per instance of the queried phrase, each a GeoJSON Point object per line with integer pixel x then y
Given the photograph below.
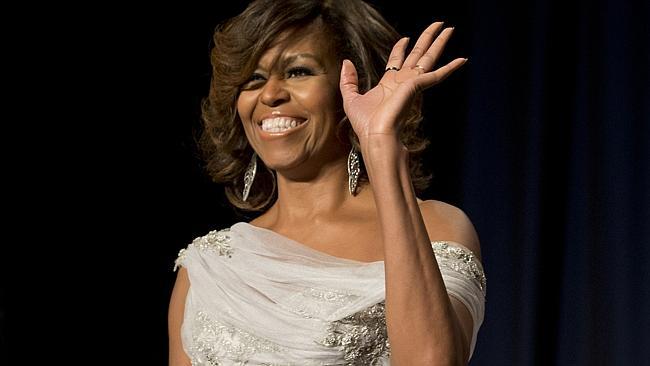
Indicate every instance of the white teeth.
{"type": "Point", "coordinates": [279, 124]}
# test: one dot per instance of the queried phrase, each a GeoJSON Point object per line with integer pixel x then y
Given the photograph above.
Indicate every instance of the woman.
{"type": "Point", "coordinates": [311, 120]}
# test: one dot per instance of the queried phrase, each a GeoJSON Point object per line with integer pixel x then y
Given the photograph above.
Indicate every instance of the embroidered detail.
{"type": "Point", "coordinates": [317, 302]}
{"type": "Point", "coordinates": [460, 260]}
{"type": "Point", "coordinates": [330, 296]}
{"type": "Point", "coordinates": [213, 342]}
{"type": "Point", "coordinates": [216, 240]}
{"type": "Point", "coordinates": [362, 336]}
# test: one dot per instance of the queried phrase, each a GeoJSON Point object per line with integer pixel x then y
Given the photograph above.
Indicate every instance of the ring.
{"type": "Point", "coordinates": [419, 67]}
{"type": "Point", "coordinates": [392, 68]}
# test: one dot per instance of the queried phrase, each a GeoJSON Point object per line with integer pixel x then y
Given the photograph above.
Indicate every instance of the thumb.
{"type": "Point", "coordinates": [349, 83]}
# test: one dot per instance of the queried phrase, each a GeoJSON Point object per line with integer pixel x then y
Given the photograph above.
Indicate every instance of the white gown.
{"type": "Point", "coordinates": [259, 298]}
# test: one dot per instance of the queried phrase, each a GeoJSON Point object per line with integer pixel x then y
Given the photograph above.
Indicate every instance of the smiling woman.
{"type": "Point", "coordinates": [291, 107]}
{"type": "Point", "coordinates": [344, 264]}
{"type": "Point", "coordinates": [344, 30]}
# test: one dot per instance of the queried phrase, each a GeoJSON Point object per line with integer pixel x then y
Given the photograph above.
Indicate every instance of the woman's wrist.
{"type": "Point", "coordinates": [385, 158]}
{"type": "Point", "coordinates": [382, 147]}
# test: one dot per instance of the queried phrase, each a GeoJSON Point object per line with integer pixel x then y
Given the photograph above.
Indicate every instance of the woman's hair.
{"type": "Point", "coordinates": [354, 28]}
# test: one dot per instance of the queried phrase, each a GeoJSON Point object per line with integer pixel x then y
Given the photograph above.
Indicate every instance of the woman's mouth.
{"type": "Point", "coordinates": [279, 126]}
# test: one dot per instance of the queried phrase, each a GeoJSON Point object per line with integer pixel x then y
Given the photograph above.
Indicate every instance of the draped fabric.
{"type": "Point", "coordinates": [257, 297]}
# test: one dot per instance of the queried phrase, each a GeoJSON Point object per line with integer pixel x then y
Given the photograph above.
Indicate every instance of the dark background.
{"type": "Point", "coordinates": [541, 138]}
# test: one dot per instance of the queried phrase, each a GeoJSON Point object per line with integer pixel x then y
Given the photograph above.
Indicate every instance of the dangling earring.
{"type": "Point", "coordinates": [353, 170]}
{"type": "Point", "coordinates": [249, 175]}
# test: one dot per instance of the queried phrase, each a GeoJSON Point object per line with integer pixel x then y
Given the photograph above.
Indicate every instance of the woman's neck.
{"type": "Point", "coordinates": [319, 199]}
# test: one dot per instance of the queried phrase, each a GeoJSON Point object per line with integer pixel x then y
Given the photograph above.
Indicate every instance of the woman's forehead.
{"type": "Point", "coordinates": [313, 44]}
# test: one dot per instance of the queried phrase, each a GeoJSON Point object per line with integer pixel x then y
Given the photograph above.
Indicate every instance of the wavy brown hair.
{"type": "Point", "coordinates": [356, 30]}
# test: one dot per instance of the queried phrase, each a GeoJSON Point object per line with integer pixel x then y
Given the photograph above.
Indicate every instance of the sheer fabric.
{"type": "Point", "coordinates": [259, 298]}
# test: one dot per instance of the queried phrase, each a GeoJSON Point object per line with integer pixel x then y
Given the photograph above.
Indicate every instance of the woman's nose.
{"type": "Point", "coordinates": [274, 93]}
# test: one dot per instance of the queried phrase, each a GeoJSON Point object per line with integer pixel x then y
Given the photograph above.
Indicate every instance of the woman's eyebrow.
{"type": "Point", "coordinates": [290, 59]}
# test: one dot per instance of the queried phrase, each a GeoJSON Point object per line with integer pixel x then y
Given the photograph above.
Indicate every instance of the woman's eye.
{"type": "Point", "coordinates": [255, 77]}
{"type": "Point", "coordinates": [253, 81]}
{"type": "Point", "coordinates": [298, 72]}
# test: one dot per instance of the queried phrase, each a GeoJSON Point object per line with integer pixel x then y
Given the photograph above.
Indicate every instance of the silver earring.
{"type": "Point", "coordinates": [353, 170]}
{"type": "Point", "coordinates": [249, 176]}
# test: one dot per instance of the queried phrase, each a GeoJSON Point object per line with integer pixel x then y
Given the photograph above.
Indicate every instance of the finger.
{"type": "Point", "coordinates": [396, 57]}
{"type": "Point", "coordinates": [422, 44]}
{"type": "Point", "coordinates": [428, 60]}
{"type": "Point", "coordinates": [349, 83]}
{"type": "Point", "coordinates": [435, 77]}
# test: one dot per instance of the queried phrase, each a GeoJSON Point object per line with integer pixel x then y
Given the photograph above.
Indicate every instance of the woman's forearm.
{"type": "Point", "coordinates": [421, 322]}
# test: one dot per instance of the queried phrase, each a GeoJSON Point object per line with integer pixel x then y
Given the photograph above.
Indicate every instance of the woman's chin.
{"type": "Point", "coordinates": [282, 163]}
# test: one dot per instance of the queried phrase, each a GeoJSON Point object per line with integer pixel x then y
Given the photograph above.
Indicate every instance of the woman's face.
{"type": "Point", "coordinates": [291, 104]}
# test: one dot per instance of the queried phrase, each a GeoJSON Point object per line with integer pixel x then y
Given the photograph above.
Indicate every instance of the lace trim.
{"type": "Point", "coordinates": [460, 260]}
{"type": "Point", "coordinates": [217, 241]}
{"type": "Point", "coordinates": [213, 341]}
{"type": "Point", "coordinates": [362, 336]}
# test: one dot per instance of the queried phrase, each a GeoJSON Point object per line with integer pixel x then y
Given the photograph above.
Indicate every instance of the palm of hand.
{"type": "Point", "coordinates": [379, 110]}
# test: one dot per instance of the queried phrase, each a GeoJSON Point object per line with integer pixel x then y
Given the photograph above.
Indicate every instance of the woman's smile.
{"type": "Point", "coordinates": [277, 126]}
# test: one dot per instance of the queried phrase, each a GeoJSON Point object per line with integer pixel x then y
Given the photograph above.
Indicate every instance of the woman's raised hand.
{"type": "Point", "coordinates": [380, 110]}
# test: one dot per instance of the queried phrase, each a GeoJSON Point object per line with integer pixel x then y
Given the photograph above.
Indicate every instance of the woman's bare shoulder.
{"type": "Point", "coordinates": [446, 222]}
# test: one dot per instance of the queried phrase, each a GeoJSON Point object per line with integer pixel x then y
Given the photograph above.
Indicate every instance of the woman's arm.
{"type": "Point", "coordinates": [446, 222]}
{"type": "Point", "coordinates": [425, 326]}
{"type": "Point", "coordinates": [177, 356]}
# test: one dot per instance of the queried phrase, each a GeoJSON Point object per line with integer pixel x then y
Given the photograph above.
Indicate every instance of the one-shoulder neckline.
{"type": "Point", "coordinates": [327, 255]}
{"type": "Point", "coordinates": [306, 247]}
